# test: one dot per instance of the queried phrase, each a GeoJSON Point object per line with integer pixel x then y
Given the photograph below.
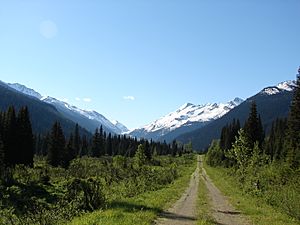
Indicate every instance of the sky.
{"type": "Point", "coordinates": [137, 60]}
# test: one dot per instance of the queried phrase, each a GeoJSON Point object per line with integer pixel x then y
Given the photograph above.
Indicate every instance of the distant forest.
{"type": "Point", "coordinates": [18, 144]}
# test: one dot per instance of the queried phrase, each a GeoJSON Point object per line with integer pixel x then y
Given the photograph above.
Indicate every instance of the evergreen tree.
{"type": "Point", "coordinates": [293, 133]}
{"type": "Point", "coordinates": [56, 146]}
{"type": "Point", "coordinates": [274, 144]}
{"type": "Point", "coordinates": [76, 141]}
{"type": "Point", "coordinates": [253, 128]}
{"type": "Point", "coordinates": [101, 141]}
{"type": "Point", "coordinates": [71, 151]}
{"type": "Point", "coordinates": [45, 145]}
{"type": "Point", "coordinates": [109, 150]}
{"type": "Point", "coordinates": [140, 157]}
{"type": "Point", "coordinates": [24, 138]}
{"type": "Point", "coordinates": [9, 138]}
{"type": "Point", "coordinates": [85, 146]}
{"type": "Point", "coordinates": [2, 158]}
{"type": "Point", "coordinates": [148, 152]}
{"type": "Point", "coordinates": [96, 144]}
{"type": "Point", "coordinates": [174, 148]}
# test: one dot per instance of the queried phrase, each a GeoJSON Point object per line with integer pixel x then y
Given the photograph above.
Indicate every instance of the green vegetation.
{"type": "Point", "coordinates": [267, 169]}
{"type": "Point", "coordinates": [255, 207]}
{"type": "Point", "coordinates": [144, 207]}
{"type": "Point", "coordinates": [76, 175]}
{"type": "Point", "coordinates": [53, 195]}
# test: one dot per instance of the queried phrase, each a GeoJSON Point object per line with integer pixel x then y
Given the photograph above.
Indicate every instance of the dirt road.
{"type": "Point", "coordinates": [222, 211]}
{"type": "Point", "coordinates": [184, 211]}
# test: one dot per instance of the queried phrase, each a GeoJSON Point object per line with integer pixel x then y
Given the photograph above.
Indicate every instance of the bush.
{"type": "Point", "coordinates": [86, 194]}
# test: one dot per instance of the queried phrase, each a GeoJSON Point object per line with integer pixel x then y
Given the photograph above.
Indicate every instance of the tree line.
{"type": "Point", "coordinates": [282, 144]}
{"type": "Point", "coordinates": [18, 145]}
{"type": "Point", "coordinates": [16, 138]}
{"type": "Point", "coordinates": [267, 167]}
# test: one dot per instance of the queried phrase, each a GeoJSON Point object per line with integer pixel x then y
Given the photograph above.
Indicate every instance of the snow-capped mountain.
{"type": "Point", "coordinates": [121, 127]}
{"type": "Point", "coordinates": [25, 90]}
{"type": "Point", "coordinates": [87, 119]}
{"type": "Point", "coordinates": [283, 86]}
{"type": "Point", "coordinates": [187, 115]}
{"type": "Point", "coordinates": [272, 103]}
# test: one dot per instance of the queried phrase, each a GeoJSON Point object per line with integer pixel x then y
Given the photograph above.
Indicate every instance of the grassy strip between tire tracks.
{"type": "Point", "coordinates": [203, 204]}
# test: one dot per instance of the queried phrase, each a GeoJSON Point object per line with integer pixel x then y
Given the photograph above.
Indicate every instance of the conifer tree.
{"type": "Point", "coordinates": [101, 142]}
{"type": "Point", "coordinates": [293, 133]}
{"type": "Point", "coordinates": [253, 128]}
{"type": "Point", "coordinates": [148, 152]}
{"type": "Point", "coordinates": [174, 148]}
{"type": "Point", "coordinates": [2, 158]}
{"type": "Point", "coordinates": [24, 138]}
{"type": "Point", "coordinates": [70, 148]}
{"type": "Point", "coordinates": [45, 145]}
{"type": "Point", "coordinates": [9, 137]}
{"type": "Point", "coordinates": [96, 144]}
{"type": "Point", "coordinates": [109, 150]}
{"type": "Point", "coordinates": [85, 146]}
{"type": "Point", "coordinates": [274, 144]}
{"type": "Point", "coordinates": [76, 141]}
{"type": "Point", "coordinates": [56, 146]}
{"type": "Point", "coordinates": [140, 157]}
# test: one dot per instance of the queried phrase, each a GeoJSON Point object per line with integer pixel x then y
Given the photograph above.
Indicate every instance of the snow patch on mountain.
{"type": "Point", "coordinates": [283, 86]}
{"type": "Point", "coordinates": [190, 113]}
{"type": "Point", "coordinates": [25, 90]}
{"type": "Point", "coordinates": [121, 126]}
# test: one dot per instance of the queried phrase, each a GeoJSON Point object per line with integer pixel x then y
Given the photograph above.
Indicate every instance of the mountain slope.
{"type": "Point", "coordinates": [42, 115]}
{"type": "Point", "coordinates": [90, 120]}
{"type": "Point", "coordinates": [187, 117]}
{"type": "Point", "coordinates": [272, 102]}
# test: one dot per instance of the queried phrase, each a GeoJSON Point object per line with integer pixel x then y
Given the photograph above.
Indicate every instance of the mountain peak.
{"type": "Point", "coordinates": [238, 100]}
{"type": "Point", "coordinates": [187, 115]}
{"type": "Point", "coordinates": [186, 105]}
{"type": "Point", "coordinates": [25, 90]}
{"type": "Point", "coordinates": [283, 86]}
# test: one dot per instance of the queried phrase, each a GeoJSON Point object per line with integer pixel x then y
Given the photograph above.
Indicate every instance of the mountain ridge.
{"type": "Point", "coordinates": [86, 118]}
{"type": "Point", "coordinates": [188, 115]}
{"type": "Point", "coordinates": [270, 105]}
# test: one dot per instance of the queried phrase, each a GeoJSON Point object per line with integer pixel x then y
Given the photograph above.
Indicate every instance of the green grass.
{"type": "Point", "coordinates": [203, 204]}
{"type": "Point", "coordinates": [142, 209]}
{"type": "Point", "coordinates": [255, 208]}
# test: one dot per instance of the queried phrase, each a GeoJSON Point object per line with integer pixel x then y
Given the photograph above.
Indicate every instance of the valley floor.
{"type": "Point", "coordinates": [202, 203]}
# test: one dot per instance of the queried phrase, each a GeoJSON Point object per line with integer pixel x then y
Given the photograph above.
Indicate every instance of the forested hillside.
{"type": "Point", "coordinates": [265, 165]}
{"type": "Point", "coordinates": [42, 115]}
{"type": "Point", "coordinates": [270, 107]}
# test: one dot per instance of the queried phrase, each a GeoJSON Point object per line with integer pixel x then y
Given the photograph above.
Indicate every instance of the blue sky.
{"type": "Point", "coordinates": [136, 60]}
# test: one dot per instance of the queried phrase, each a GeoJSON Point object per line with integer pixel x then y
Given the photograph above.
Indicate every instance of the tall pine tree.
{"type": "Point", "coordinates": [25, 144]}
{"type": "Point", "coordinates": [292, 143]}
{"type": "Point", "coordinates": [9, 138]}
{"type": "Point", "coordinates": [2, 157]}
{"type": "Point", "coordinates": [56, 146]}
{"type": "Point", "coordinates": [253, 128]}
{"type": "Point", "coordinates": [96, 144]}
{"type": "Point", "coordinates": [76, 141]}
